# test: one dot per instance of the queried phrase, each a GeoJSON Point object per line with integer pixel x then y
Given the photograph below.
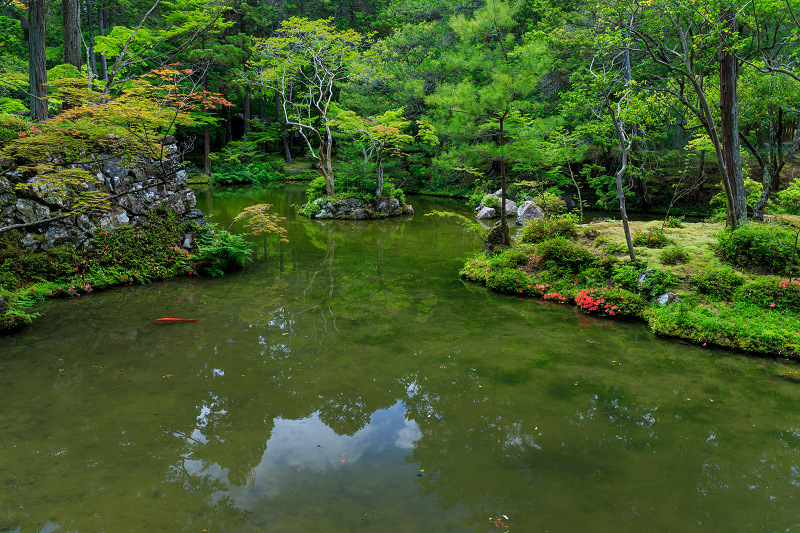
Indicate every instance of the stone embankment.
{"type": "Point", "coordinates": [134, 190]}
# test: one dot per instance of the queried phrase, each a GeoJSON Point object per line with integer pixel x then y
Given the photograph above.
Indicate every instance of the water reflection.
{"type": "Point", "coordinates": [448, 405]}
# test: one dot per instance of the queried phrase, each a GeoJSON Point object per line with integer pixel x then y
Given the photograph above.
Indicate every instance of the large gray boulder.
{"type": "Point", "coordinates": [528, 211]}
{"type": "Point", "coordinates": [486, 213]}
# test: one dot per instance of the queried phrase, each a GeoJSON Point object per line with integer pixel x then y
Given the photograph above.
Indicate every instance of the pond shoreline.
{"type": "Point", "coordinates": [679, 286]}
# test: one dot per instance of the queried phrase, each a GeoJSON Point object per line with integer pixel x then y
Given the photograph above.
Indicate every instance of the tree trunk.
{"type": "Point", "coordinates": [92, 62]}
{"type": "Point", "coordinates": [206, 132]}
{"type": "Point", "coordinates": [623, 147]}
{"type": "Point", "coordinates": [729, 123]}
{"type": "Point", "coordinates": [246, 110]}
{"type": "Point", "coordinates": [71, 33]}
{"type": "Point", "coordinates": [287, 147]}
{"type": "Point", "coordinates": [379, 174]}
{"type": "Point", "coordinates": [37, 69]}
{"type": "Point", "coordinates": [325, 162]}
{"type": "Point", "coordinates": [503, 223]}
{"type": "Point", "coordinates": [102, 24]}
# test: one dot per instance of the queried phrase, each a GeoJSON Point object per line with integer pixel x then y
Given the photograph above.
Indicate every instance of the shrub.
{"type": "Point", "coordinates": [542, 229]}
{"type": "Point", "coordinates": [564, 253]}
{"type": "Point", "coordinates": [673, 222]}
{"type": "Point", "coordinates": [720, 282]}
{"type": "Point", "coordinates": [652, 238]}
{"type": "Point", "coordinates": [610, 301]}
{"type": "Point", "coordinates": [627, 276]}
{"type": "Point", "coordinates": [771, 293]}
{"type": "Point", "coordinates": [510, 280]}
{"type": "Point", "coordinates": [616, 248]}
{"type": "Point", "coordinates": [674, 254]}
{"type": "Point", "coordinates": [491, 201]}
{"type": "Point", "coordinates": [316, 189]}
{"type": "Point", "coordinates": [771, 247]}
{"type": "Point", "coordinates": [789, 198]}
{"type": "Point", "coordinates": [647, 282]}
{"type": "Point", "coordinates": [219, 251]}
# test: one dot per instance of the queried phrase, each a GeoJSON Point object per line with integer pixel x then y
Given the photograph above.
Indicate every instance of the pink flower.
{"type": "Point", "coordinates": [772, 304]}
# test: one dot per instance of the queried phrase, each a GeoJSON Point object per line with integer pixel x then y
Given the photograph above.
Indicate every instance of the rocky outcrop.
{"type": "Point", "coordinates": [528, 211]}
{"type": "Point", "coordinates": [490, 206]}
{"type": "Point", "coordinates": [356, 209]}
{"type": "Point", "coordinates": [135, 191]}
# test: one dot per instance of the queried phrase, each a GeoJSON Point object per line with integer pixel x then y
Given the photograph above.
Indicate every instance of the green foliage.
{"type": "Point", "coordinates": [560, 252]}
{"type": "Point", "coordinates": [652, 238]}
{"type": "Point", "coordinates": [771, 293]}
{"type": "Point", "coordinates": [673, 222]}
{"type": "Point", "coordinates": [626, 275]}
{"type": "Point", "coordinates": [736, 325]}
{"type": "Point", "coordinates": [542, 229]}
{"type": "Point", "coordinates": [146, 253]}
{"type": "Point", "coordinates": [219, 251]}
{"type": "Point", "coordinates": [674, 254]}
{"type": "Point", "coordinates": [491, 201]}
{"type": "Point", "coordinates": [509, 280]}
{"type": "Point", "coordinates": [719, 282]}
{"type": "Point", "coordinates": [789, 198]}
{"type": "Point", "coordinates": [770, 247]}
{"type": "Point", "coordinates": [256, 173]}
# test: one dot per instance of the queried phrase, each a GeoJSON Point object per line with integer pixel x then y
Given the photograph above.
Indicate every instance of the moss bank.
{"type": "Point", "coordinates": [734, 289]}
{"type": "Point", "coordinates": [127, 255]}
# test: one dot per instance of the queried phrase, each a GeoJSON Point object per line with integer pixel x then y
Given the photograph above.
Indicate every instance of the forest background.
{"type": "Point", "coordinates": [694, 100]}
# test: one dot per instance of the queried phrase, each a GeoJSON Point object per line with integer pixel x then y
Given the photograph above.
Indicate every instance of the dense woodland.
{"type": "Point", "coordinates": [665, 103]}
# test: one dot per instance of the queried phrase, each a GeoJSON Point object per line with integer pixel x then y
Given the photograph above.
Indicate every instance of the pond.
{"type": "Point", "coordinates": [349, 379]}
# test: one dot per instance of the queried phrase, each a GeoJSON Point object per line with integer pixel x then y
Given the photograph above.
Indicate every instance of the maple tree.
{"type": "Point", "coordinates": [56, 155]}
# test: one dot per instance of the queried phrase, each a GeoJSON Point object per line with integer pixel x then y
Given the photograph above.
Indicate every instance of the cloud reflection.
{"type": "Point", "coordinates": [310, 445]}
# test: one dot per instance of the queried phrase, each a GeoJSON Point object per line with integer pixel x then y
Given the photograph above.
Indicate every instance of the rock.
{"type": "Point", "coordinates": [528, 211]}
{"type": "Point", "coordinates": [30, 211]}
{"type": "Point", "coordinates": [485, 213]}
{"type": "Point", "coordinates": [360, 214]}
{"type": "Point", "coordinates": [668, 298]}
{"type": "Point", "coordinates": [511, 208]}
{"type": "Point", "coordinates": [187, 241]}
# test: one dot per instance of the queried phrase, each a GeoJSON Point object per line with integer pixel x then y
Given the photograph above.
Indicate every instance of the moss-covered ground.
{"type": "Point", "coordinates": [735, 289]}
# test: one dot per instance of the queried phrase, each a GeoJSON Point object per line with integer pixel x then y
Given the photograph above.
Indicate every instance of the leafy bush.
{"type": "Point", "coordinates": [564, 253]}
{"type": "Point", "coordinates": [610, 301]}
{"type": "Point", "coordinates": [491, 201]}
{"type": "Point", "coordinates": [771, 293]}
{"type": "Point", "coordinates": [542, 229]}
{"type": "Point", "coordinates": [626, 275]}
{"type": "Point", "coordinates": [771, 247]}
{"type": "Point", "coordinates": [512, 257]}
{"type": "Point", "coordinates": [509, 280]}
{"type": "Point", "coordinates": [789, 198]}
{"type": "Point", "coordinates": [652, 238]}
{"type": "Point", "coordinates": [220, 251]}
{"type": "Point", "coordinates": [674, 254]}
{"type": "Point", "coordinates": [673, 222]}
{"type": "Point", "coordinates": [316, 189]}
{"type": "Point", "coordinates": [720, 282]}
{"type": "Point", "coordinates": [256, 173]}
{"type": "Point", "coordinates": [647, 282]}
{"type": "Point", "coordinates": [616, 248]}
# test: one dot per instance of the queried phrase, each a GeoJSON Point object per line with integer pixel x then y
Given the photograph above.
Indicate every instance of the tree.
{"type": "Point", "coordinates": [689, 44]}
{"type": "Point", "coordinates": [381, 136]}
{"type": "Point", "coordinates": [303, 62]}
{"type": "Point", "coordinates": [54, 156]}
{"type": "Point", "coordinates": [500, 75]}
{"type": "Point", "coordinates": [37, 67]}
{"type": "Point", "coordinates": [71, 32]}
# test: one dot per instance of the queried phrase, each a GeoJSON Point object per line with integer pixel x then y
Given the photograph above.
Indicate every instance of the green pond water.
{"type": "Point", "coordinates": [349, 380]}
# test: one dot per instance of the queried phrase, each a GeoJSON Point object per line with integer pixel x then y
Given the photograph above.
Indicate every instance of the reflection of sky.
{"type": "Point", "coordinates": [311, 445]}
